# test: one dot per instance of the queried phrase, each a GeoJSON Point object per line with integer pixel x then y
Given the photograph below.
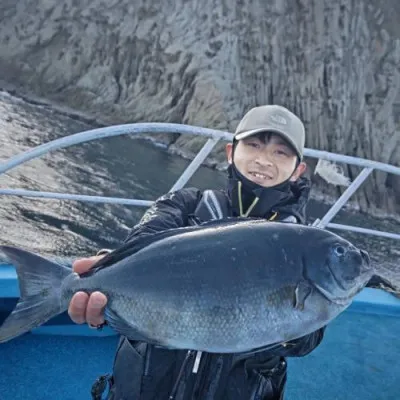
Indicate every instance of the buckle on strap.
{"type": "Point", "coordinates": [99, 386]}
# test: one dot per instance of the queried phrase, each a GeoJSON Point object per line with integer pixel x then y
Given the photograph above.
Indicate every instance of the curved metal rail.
{"type": "Point", "coordinates": [213, 136]}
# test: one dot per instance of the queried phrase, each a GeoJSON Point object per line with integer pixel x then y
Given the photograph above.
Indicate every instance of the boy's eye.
{"type": "Point", "coordinates": [282, 152]}
{"type": "Point", "coordinates": [253, 144]}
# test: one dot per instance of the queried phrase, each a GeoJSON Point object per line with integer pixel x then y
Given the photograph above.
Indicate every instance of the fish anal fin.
{"type": "Point", "coordinates": [130, 332]}
{"type": "Point", "coordinates": [121, 326]}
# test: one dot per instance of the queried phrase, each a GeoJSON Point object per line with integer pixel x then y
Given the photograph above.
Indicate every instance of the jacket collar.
{"type": "Point", "coordinates": [252, 200]}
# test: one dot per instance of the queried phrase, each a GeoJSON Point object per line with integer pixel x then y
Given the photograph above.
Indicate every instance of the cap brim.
{"type": "Point", "coordinates": [244, 135]}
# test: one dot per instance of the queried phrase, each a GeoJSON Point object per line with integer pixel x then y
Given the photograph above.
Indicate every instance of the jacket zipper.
{"type": "Point", "coordinates": [147, 361]}
{"type": "Point", "coordinates": [202, 377]}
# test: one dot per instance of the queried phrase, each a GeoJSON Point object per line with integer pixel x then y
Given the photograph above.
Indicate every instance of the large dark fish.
{"type": "Point", "coordinates": [228, 286]}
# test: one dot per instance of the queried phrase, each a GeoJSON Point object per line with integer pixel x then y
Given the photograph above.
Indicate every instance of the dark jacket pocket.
{"type": "Point", "coordinates": [273, 381]}
{"type": "Point", "coordinates": [128, 371]}
{"type": "Point", "coordinates": [257, 378]}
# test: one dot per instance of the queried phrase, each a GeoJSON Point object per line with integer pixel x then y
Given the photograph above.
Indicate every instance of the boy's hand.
{"type": "Point", "coordinates": [84, 308]}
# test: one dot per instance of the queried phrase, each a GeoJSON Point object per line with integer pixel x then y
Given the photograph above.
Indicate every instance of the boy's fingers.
{"type": "Point", "coordinates": [77, 307]}
{"type": "Point", "coordinates": [95, 308]}
{"type": "Point", "coordinates": [84, 264]}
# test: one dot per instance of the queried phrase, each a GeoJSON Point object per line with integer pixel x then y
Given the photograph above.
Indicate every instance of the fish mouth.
{"type": "Point", "coordinates": [340, 300]}
{"type": "Point", "coordinates": [345, 294]}
{"type": "Point", "coordinates": [328, 295]}
{"type": "Point", "coordinates": [335, 278]}
{"type": "Point", "coordinates": [367, 260]}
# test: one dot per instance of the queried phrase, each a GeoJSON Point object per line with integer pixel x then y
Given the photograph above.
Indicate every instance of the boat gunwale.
{"type": "Point", "coordinates": [370, 300]}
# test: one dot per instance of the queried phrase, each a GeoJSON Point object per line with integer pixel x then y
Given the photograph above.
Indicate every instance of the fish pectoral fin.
{"type": "Point", "coordinates": [121, 326]}
{"type": "Point", "coordinates": [302, 291]}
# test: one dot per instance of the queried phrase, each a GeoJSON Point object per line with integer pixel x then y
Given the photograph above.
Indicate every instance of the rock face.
{"type": "Point", "coordinates": [334, 62]}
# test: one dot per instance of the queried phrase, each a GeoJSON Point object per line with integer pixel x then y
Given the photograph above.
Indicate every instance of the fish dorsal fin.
{"type": "Point", "coordinates": [127, 249]}
{"type": "Point", "coordinates": [229, 221]}
{"type": "Point", "coordinates": [140, 242]}
{"type": "Point", "coordinates": [135, 245]}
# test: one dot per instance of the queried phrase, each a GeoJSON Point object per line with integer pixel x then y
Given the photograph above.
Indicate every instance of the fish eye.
{"type": "Point", "coordinates": [339, 250]}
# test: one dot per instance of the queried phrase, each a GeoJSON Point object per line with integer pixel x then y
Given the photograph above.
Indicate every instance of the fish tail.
{"type": "Point", "coordinates": [40, 282]}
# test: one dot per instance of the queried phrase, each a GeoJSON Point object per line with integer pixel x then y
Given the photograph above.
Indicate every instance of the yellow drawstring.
{"type": "Point", "coordinates": [240, 198]}
{"type": "Point", "coordinates": [252, 205]}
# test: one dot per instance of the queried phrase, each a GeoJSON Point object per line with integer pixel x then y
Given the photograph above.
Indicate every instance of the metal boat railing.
{"type": "Point", "coordinates": [213, 137]}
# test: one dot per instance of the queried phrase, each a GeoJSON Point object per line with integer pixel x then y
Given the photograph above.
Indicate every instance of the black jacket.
{"type": "Point", "coordinates": [147, 372]}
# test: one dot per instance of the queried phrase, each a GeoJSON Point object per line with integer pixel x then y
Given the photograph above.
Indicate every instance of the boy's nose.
{"type": "Point", "coordinates": [263, 160]}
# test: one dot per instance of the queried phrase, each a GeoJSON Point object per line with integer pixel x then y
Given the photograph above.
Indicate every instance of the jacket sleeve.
{"type": "Point", "coordinates": [300, 347]}
{"type": "Point", "coordinates": [169, 211]}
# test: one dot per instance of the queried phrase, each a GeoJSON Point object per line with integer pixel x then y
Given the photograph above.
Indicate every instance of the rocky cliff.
{"type": "Point", "coordinates": [334, 62]}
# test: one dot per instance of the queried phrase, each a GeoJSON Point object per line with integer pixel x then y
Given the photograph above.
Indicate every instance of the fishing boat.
{"type": "Point", "coordinates": [358, 358]}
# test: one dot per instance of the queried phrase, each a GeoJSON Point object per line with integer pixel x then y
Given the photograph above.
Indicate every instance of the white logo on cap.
{"type": "Point", "coordinates": [278, 119]}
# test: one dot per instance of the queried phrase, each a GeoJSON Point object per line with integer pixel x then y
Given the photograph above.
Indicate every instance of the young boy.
{"type": "Point", "coordinates": [265, 181]}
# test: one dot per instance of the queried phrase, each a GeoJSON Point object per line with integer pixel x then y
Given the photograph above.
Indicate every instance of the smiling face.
{"type": "Point", "coordinates": [265, 159]}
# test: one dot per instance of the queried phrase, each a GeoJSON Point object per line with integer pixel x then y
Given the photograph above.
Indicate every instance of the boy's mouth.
{"type": "Point", "coordinates": [259, 175]}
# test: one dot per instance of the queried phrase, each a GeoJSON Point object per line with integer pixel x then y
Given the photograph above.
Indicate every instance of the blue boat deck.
{"type": "Point", "coordinates": [358, 359]}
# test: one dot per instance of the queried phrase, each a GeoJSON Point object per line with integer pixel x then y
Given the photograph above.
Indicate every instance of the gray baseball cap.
{"type": "Point", "coordinates": [273, 118]}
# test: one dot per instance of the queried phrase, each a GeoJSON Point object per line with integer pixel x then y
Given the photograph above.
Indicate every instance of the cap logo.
{"type": "Point", "coordinates": [278, 119]}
